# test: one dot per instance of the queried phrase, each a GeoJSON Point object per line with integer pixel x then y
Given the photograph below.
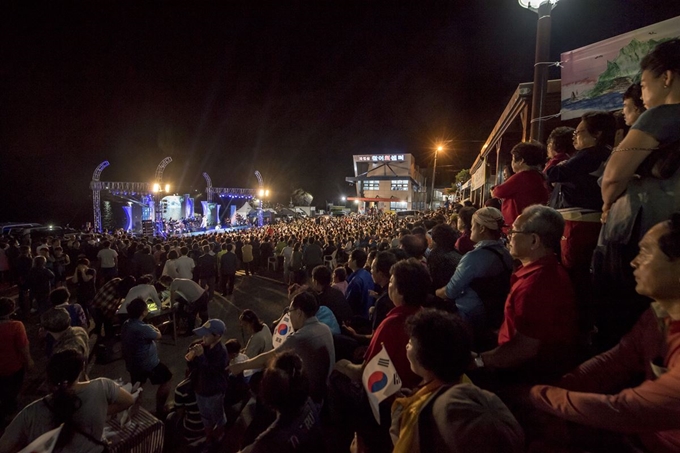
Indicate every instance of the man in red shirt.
{"type": "Point", "coordinates": [528, 185]}
{"type": "Point", "coordinates": [538, 337]}
{"type": "Point", "coordinates": [599, 394]}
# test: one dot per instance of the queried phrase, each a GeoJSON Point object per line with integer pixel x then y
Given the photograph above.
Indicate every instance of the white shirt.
{"type": "Point", "coordinates": [187, 288]}
{"type": "Point", "coordinates": [144, 292]}
{"type": "Point", "coordinates": [185, 267]}
{"type": "Point", "coordinates": [170, 268]}
{"type": "Point", "coordinates": [107, 258]}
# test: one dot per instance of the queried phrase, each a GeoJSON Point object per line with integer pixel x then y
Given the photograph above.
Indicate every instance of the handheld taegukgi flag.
{"type": "Point", "coordinates": [282, 331]}
{"type": "Point", "coordinates": [380, 380]}
{"type": "Point", "coordinates": [45, 442]}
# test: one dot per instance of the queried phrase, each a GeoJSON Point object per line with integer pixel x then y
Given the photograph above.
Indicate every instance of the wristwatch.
{"type": "Point", "coordinates": [479, 362]}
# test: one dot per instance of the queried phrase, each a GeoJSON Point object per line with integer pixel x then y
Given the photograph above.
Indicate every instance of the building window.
{"type": "Point", "coordinates": [399, 184]}
{"type": "Point", "coordinates": [398, 206]}
{"type": "Point", "coordinates": [371, 185]}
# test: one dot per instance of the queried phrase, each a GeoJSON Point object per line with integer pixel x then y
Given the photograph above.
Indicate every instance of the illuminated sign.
{"type": "Point", "coordinates": [381, 158]}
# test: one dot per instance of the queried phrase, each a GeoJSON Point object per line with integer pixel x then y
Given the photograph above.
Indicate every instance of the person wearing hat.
{"type": "Point", "coordinates": [538, 340]}
{"type": "Point", "coordinates": [481, 281]}
{"type": "Point", "coordinates": [207, 362]}
{"type": "Point", "coordinates": [141, 356]}
{"type": "Point", "coordinates": [15, 357]}
{"type": "Point", "coordinates": [444, 413]}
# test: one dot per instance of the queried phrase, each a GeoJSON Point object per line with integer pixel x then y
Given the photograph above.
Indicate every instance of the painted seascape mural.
{"type": "Point", "coordinates": [594, 77]}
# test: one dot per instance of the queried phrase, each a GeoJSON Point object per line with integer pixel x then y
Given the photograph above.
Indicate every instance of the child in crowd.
{"type": "Point", "coordinates": [208, 361]}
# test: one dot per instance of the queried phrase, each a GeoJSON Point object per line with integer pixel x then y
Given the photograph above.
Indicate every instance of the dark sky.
{"type": "Point", "coordinates": [291, 89]}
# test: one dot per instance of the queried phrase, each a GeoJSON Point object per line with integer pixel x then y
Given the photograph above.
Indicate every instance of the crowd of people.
{"type": "Point", "coordinates": [511, 327]}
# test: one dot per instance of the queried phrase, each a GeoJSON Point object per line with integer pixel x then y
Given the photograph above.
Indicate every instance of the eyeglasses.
{"type": "Point", "coordinates": [511, 232]}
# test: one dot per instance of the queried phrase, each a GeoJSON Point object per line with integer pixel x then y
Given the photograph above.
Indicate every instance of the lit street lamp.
{"type": "Point", "coordinates": [434, 172]}
{"type": "Point", "coordinates": [262, 193]}
{"type": "Point", "coordinates": [539, 89]}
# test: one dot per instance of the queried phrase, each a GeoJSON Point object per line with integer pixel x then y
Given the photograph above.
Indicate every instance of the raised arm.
{"type": "Point", "coordinates": [625, 159]}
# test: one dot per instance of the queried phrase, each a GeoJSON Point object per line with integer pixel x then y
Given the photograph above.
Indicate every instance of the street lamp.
{"type": "Point", "coordinates": [434, 172]}
{"type": "Point", "coordinates": [262, 193]}
{"type": "Point", "coordinates": [539, 89]}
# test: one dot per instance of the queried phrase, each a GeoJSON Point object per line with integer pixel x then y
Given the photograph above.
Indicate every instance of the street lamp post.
{"type": "Point", "coordinates": [434, 172]}
{"type": "Point", "coordinates": [539, 89]}
{"type": "Point", "coordinates": [262, 193]}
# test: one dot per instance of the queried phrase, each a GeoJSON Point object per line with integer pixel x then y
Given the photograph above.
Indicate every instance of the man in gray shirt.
{"type": "Point", "coordinates": [312, 341]}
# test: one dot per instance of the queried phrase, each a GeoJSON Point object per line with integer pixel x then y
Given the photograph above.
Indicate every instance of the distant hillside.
{"type": "Point", "coordinates": [624, 69]}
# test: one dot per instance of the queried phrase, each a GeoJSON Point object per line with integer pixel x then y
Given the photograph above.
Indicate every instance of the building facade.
{"type": "Point", "coordinates": [389, 182]}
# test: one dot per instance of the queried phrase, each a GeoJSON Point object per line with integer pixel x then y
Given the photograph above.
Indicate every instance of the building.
{"type": "Point", "coordinates": [391, 182]}
{"type": "Point", "coordinates": [511, 128]}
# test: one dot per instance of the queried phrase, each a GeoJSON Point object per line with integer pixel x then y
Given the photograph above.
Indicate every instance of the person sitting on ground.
{"type": "Point", "coordinates": [82, 408]}
{"type": "Point", "coordinates": [481, 282]}
{"type": "Point", "coordinates": [260, 337]}
{"type": "Point", "coordinates": [141, 356]}
{"type": "Point", "coordinates": [528, 185]}
{"type": "Point", "coordinates": [444, 413]}
{"type": "Point", "coordinates": [593, 138]}
{"type": "Point", "coordinates": [297, 428]}
{"type": "Point", "coordinates": [539, 336]}
{"type": "Point", "coordinates": [599, 394]}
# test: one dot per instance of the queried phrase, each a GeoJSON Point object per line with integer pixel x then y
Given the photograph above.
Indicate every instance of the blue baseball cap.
{"type": "Point", "coordinates": [213, 326]}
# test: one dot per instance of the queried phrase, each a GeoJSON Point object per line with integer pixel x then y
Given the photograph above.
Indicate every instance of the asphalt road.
{"type": "Point", "coordinates": [266, 296]}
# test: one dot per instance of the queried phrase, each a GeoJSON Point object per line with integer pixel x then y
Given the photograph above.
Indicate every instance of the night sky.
{"type": "Point", "coordinates": [292, 89]}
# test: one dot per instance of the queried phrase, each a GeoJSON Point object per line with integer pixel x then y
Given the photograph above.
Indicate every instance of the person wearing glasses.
{"type": "Point", "coordinates": [593, 139]}
{"type": "Point", "coordinates": [629, 394]}
{"type": "Point", "coordinates": [538, 338]}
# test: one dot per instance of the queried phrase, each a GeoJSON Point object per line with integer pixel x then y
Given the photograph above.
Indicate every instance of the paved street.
{"type": "Point", "coordinates": [265, 296]}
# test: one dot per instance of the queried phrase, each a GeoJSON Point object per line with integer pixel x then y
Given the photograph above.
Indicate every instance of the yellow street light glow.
{"type": "Point", "coordinates": [266, 193]}
{"type": "Point", "coordinates": [261, 193]}
{"type": "Point", "coordinates": [167, 188]}
{"type": "Point", "coordinates": [440, 148]}
{"type": "Point", "coordinates": [156, 187]}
